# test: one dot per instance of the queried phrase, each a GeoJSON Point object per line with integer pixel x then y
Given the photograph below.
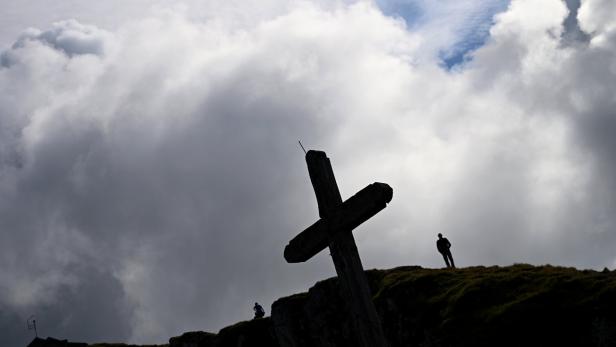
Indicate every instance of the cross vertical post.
{"type": "Point", "coordinates": [345, 256]}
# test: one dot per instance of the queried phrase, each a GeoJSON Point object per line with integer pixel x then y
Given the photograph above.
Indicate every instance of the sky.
{"type": "Point", "coordinates": [150, 175]}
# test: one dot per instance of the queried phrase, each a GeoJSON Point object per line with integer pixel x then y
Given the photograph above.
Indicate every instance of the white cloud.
{"type": "Point", "coordinates": [69, 37]}
{"type": "Point", "coordinates": [450, 29]}
{"type": "Point", "coordinates": [596, 18]}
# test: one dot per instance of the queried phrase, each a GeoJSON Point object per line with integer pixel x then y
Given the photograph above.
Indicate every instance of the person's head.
{"type": "Point", "coordinates": [440, 236]}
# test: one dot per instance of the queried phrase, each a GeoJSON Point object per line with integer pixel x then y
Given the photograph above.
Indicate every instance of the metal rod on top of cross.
{"type": "Point", "coordinates": [334, 229]}
{"type": "Point", "coordinates": [31, 323]}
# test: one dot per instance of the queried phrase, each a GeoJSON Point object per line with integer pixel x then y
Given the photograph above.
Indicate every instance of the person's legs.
{"type": "Point", "coordinates": [453, 265]}
{"type": "Point", "coordinates": [446, 260]}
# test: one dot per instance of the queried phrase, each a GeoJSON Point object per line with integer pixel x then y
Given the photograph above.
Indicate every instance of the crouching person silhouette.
{"type": "Point", "coordinates": [259, 312]}
{"type": "Point", "coordinates": [443, 245]}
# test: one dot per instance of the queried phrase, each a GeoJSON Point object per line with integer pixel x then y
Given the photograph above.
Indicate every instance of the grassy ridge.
{"type": "Point", "coordinates": [507, 306]}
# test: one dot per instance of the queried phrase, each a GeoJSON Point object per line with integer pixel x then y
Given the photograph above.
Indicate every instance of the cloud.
{"type": "Point", "coordinates": [150, 176]}
{"type": "Point", "coordinates": [595, 19]}
{"type": "Point", "coordinates": [69, 37]}
{"type": "Point", "coordinates": [452, 28]}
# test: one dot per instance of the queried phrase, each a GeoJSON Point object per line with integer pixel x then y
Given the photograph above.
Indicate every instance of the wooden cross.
{"type": "Point", "coordinates": [334, 229]}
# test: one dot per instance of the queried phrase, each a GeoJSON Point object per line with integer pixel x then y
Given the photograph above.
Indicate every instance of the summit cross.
{"type": "Point", "coordinates": [334, 229]}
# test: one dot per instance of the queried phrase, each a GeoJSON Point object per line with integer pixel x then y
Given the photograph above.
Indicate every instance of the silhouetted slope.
{"type": "Point", "coordinates": [51, 342]}
{"type": "Point", "coordinates": [519, 305]}
{"type": "Point", "coordinates": [252, 333]}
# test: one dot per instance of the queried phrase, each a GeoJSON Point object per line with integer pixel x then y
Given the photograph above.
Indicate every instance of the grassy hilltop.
{"type": "Point", "coordinates": [519, 305]}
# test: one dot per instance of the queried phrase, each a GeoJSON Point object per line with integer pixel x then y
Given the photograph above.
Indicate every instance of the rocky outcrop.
{"type": "Point", "coordinates": [193, 339]}
{"type": "Point", "coordinates": [51, 342]}
{"type": "Point", "coordinates": [253, 333]}
{"type": "Point", "coordinates": [316, 318]}
{"type": "Point", "coordinates": [519, 305]}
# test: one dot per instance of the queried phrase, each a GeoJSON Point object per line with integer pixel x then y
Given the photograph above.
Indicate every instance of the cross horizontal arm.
{"type": "Point", "coordinates": [352, 213]}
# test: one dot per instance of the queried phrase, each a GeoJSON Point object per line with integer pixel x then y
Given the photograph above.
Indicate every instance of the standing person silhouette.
{"type": "Point", "coordinates": [443, 245]}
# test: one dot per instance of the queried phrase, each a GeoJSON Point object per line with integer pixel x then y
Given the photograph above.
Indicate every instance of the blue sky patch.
{"type": "Point", "coordinates": [469, 22]}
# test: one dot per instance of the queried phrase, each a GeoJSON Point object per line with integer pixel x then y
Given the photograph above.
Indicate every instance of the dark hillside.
{"type": "Point", "coordinates": [519, 305]}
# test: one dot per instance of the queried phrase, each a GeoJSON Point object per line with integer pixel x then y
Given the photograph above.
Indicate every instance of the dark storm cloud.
{"type": "Point", "coordinates": [95, 308]}
{"type": "Point", "coordinates": [150, 177]}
